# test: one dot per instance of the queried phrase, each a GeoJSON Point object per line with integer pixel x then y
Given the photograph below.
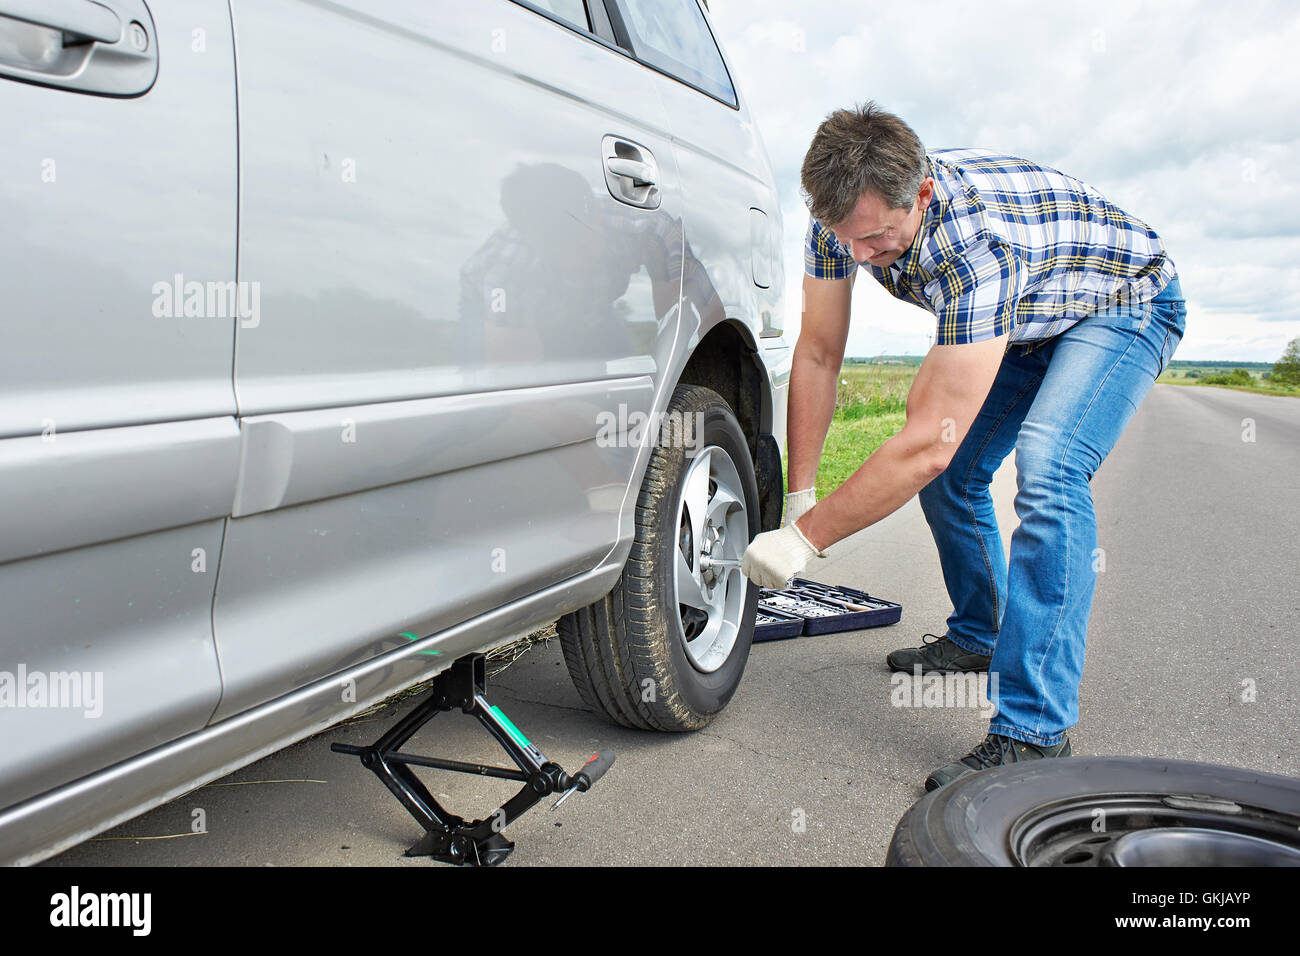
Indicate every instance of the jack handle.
{"type": "Point", "coordinates": [586, 777]}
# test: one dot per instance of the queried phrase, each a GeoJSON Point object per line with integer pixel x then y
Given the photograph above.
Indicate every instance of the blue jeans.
{"type": "Point", "coordinates": [1062, 404]}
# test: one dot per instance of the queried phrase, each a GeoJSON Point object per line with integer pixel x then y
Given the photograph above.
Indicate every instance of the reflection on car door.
{"type": "Point", "coordinates": [451, 295]}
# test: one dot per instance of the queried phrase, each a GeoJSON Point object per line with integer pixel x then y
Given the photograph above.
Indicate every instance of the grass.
{"type": "Point", "coordinates": [871, 403]}
{"type": "Point", "coordinates": [1185, 373]}
{"type": "Point", "coordinates": [1257, 389]}
{"type": "Point", "coordinates": [498, 659]}
{"type": "Point", "coordinates": [870, 408]}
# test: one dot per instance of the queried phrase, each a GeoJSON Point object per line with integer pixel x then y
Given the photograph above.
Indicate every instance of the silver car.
{"type": "Point", "coordinates": [346, 338]}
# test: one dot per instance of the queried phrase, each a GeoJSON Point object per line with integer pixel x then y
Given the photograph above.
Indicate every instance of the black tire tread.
{"type": "Point", "coordinates": [940, 829]}
{"type": "Point", "coordinates": [613, 645]}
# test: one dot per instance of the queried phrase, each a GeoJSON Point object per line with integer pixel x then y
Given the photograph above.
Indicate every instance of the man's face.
{"type": "Point", "coordinates": [877, 233]}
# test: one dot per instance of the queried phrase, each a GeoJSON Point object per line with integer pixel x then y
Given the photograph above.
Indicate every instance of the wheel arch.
{"type": "Point", "coordinates": [727, 360]}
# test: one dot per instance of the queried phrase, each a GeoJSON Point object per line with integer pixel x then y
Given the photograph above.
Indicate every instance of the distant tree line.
{"type": "Point", "coordinates": [1192, 363]}
{"type": "Point", "coordinates": [1285, 371]}
{"type": "Point", "coordinates": [884, 360]}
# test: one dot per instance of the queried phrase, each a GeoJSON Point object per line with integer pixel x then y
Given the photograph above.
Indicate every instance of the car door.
{"type": "Point", "coordinates": [726, 174]}
{"type": "Point", "coordinates": [453, 302]}
{"type": "Point", "coordinates": [118, 443]}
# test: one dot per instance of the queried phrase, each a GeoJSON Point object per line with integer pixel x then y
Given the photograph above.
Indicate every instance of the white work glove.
{"type": "Point", "coordinates": [774, 557]}
{"type": "Point", "coordinates": [798, 502]}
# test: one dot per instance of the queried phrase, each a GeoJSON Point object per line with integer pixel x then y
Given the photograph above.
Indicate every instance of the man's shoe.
{"type": "Point", "coordinates": [995, 751]}
{"type": "Point", "coordinates": [938, 656]}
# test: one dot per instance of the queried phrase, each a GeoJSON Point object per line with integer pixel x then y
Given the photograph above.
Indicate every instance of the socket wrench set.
{"type": "Point", "coordinates": [810, 607]}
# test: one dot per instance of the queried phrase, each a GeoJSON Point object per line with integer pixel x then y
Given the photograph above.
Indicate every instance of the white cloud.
{"type": "Point", "coordinates": [1186, 114]}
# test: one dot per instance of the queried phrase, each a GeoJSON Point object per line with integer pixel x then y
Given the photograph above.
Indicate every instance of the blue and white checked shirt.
{"type": "Point", "coordinates": [1009, 246]}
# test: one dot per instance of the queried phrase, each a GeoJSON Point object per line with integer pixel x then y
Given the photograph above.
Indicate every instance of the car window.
{"type": "Point", "coordinates": [573, 12]}
{"type": "Point", "coordinates": [673, 36]}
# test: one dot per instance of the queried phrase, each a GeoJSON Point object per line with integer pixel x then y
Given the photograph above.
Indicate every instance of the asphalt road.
{"type": "Point", "coordinates": [1196, 607]}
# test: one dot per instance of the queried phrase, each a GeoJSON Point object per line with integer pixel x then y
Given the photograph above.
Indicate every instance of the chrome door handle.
{"type": "Point", "coordinates": [630, 172]}
{"type": "Point", "coordinates": [641, 174]}
{"type": "Point", "coordinates": [82, 18]}
{"type": "Point", "coordinates": [103, 47]}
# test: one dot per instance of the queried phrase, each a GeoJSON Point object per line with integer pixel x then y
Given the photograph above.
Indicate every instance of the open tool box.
{"type": "Point", "coordinates": [810, 607]}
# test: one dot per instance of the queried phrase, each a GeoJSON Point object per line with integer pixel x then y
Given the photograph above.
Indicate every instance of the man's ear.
{"type": "Point", "coordinates": [925, 193]}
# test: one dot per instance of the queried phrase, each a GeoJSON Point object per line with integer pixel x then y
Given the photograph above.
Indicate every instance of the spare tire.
{"type": "Point", "coordinates": [1104, 811]}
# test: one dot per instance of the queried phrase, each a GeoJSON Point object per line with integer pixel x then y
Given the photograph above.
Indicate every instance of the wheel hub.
{"type": "Point", "coordinates": [1153, 830]}
{"type": "Point", "coordinates": [712, 529]}
{"type": "Point", "coordinates": [1196, 846]}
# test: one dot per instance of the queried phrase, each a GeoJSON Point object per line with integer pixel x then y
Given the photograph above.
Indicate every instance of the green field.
{"type": "Point", "coordinates": [1196, 373]}
{"type": "Point", "coordinates": [871, 402]}
{"type": "Point", "coordinates": [869, 409]}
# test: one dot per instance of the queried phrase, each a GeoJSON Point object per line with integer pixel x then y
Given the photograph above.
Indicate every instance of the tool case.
{"type": "Point", "coordinates": [810, 607]}
{"type": "Point", "coordinates": [773, 625]}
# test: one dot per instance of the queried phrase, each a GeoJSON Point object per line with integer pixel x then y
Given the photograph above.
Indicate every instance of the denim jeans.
{"type": "Point", "coordinates": [1062, 404]}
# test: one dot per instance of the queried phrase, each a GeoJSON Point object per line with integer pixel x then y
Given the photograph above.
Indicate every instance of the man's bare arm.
{"type": "Point", "coordinates": [814, 374]}
{"type": "Point", "coordinates": [945, 397]}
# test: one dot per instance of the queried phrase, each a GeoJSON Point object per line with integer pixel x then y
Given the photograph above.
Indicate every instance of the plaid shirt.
{"type": "Point", "coordinates": [1009, 246]}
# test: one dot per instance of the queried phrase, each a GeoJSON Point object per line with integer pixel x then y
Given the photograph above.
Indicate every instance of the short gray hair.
{"type": "Point", "coordinates": [857, 151]}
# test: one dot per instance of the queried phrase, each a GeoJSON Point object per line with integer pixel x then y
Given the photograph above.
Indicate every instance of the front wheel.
{"type": "Point", "coordinates": [666, 648]}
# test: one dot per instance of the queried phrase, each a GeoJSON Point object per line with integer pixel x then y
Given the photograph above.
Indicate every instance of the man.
{"type": "Point", "coordinates": [1055, 313]}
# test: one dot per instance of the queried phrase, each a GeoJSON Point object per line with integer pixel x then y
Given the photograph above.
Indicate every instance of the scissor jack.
{"type": "Point", "coordinates": [447, 837]}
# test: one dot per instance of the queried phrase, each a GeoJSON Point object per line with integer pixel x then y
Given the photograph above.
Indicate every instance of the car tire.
{"type": "Point", "coordinates": [1104, 811]}
{"type": "Point", "coordinates": [666, 648]}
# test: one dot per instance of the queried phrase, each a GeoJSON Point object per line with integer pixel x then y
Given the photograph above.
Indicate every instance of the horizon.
{"type": "Point", "coordinates": [1177, 361]}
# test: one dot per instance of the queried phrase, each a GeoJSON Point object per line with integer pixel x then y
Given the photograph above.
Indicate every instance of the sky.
{"type": "Point", "coordinates": [1185, 114]}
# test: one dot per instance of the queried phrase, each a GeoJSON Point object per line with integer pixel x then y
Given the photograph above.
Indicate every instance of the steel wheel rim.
{"type": "Point", "coordinates": [712, 533]}
{"type": "Point", "coordinates": [1141, 829]}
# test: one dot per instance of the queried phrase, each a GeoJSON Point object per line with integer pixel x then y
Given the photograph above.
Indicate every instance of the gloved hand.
{"type": "Point", "coordinates": [798, 502]}
{"type": "Point", "coordinates": [774, 557]}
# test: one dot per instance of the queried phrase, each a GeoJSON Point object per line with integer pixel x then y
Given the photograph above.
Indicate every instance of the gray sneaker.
{"type": "Point", "coordinates": [937, 656]}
